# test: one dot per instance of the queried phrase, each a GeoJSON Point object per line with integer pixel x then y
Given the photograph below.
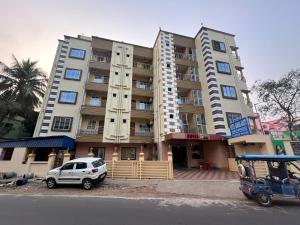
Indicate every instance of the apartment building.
{"type": "Point", "coordinates": [178, 96]}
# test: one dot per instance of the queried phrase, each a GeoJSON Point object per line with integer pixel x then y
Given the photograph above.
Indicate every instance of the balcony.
{"type": "Point", "coordinates": [101, 62]}
{"type": "Point", "coordinates": [135, 132]}
{"type": "Point", "coordinates": [93, 110]}
{"type": "Point", "coordinates": [142, 111]}
{"type": "Point", "coordinates": [188, 81]}
{"type": "Point", "coordinates": [89, 135]}
{"type": "Point", "coordinates": [201, 128]}
{"type": "Point", "coordinates": [95, 86]}
{"type": "Point", "coordinates": [141, 136]}
{"type": "Point", "coordinates": [185, 59]}
{"type": "Point", "coordinates": [142, 89]}
{"type": "Point", "coordinates": [190, 105]}
{"type": "Point", "coordinates": [144, 69]}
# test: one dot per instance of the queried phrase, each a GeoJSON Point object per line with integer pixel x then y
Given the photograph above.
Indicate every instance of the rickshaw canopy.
{"type": "Point", "coordinates": [270, 158]}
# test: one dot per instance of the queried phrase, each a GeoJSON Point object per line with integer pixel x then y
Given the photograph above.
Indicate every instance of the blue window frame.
{"type": "Point", "coordinates": [223, 67]}
{"type": "Point", "coordinates": [72, 74]}
{"type": "Point", "coordinates": [218, 46]}
{"type": "Point", "coordinates": [228, 92]}
{"type": "Point", "coordinates": [77, 53]}
{"type": "Point", "coordinates": [232, 116]}
{"type": "Point", "coordinates": [67, 97]}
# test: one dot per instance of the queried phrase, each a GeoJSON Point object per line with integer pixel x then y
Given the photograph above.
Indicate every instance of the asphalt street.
{"type": "Point", "coordinates": [70, 210]}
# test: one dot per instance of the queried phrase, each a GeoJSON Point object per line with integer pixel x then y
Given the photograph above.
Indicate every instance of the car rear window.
{"type": "Point", "coordinates": [98, 163]}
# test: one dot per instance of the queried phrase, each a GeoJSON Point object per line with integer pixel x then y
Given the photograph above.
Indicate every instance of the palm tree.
{"type": "Point", "coordinates": [22, 85]}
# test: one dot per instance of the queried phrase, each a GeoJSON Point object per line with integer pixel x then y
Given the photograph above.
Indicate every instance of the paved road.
{"type": "Point", "coordinates": [37, 210]}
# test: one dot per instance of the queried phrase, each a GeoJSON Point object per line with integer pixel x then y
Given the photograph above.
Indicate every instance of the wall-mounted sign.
{"type": "Point", "coordinates": [240, 128]}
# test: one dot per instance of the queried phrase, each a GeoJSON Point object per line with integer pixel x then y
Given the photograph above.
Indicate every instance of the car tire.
{"type": "Point", "coordinates": [264, 199]}
{"type": "Point", "coordinates": [51, 183]}
{"type": "Point", "coordinates": [247, 195]}
{"type": "Point", "coordinates": [87, 184]}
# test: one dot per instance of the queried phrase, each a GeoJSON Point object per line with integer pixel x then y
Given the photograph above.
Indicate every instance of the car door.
{"type": "Point", "coordinates": [80, 171]}
{"type": "Point", "coordinates": [66, 174]}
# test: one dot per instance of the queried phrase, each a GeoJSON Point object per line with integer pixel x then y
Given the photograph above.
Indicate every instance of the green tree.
{"type": "Point", "coordinates": [280, 97]}
{"type": "Point", "coordinates": [22, 87]}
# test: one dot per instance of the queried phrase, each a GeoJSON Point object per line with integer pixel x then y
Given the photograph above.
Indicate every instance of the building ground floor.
{"type": "Point", "coordinates": [178, 152]}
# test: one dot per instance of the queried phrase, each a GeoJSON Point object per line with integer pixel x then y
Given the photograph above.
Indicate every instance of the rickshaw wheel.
{"type": "Point", "coordinates": [247, 195]}
{"type": "Point", "coordinates": [263, 198]}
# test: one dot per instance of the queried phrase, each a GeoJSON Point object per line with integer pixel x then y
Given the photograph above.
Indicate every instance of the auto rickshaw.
{"type": "Point", "coordinates": [282, 179]}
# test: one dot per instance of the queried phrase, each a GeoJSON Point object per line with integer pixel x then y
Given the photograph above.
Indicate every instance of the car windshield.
{"type": "Point", "coordinates": [98, 163]}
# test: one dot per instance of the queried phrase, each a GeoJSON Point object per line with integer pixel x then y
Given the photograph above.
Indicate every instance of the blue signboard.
{"type": "Point", "coordinates": [239, 128]}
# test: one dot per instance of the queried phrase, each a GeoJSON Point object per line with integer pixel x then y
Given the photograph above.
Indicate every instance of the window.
{"type": "Point", "coordinates": [118, 53]}
{"type": "Point", "coordinates": [144, 127]}
{"type": "Point", "coordinates": [77, 53]}
{"type": "Point", "coordinates": [99, 162]}
{"type": "Point", "coordinates": [171, 116]}
{"type": "Point", "coordinates": [91, 125]}
{"type": "Point", "coordinates": [72, 74]}
{"type": "Point", "coordinates": [114, 95]}
{"type": "Point", "coordinates": [228, 92]}
{"type": "Point", "coordinates": [81, 166]}
{"type": "Point", "coordinates": [99, 152]}
{"type": "Point", "coordinates": [231, 117]}
{"type": "Point", "coordinates": [116, 73]}
{"type": "Point", "coordinates": [168, 65]}
{"type": "Point", "coordinates": [218, 46]}
{"type": "Point", "coordinates": [127, 74]}
{"type": "Point", "coordinates": [6, 153]}
{"type": "Point", "coordinates": [95, 101]}
{"type": "Point", "coordinates": [128, 153]}
{"type": "Point", "coordinates": [223, 67]}
{"type": "Point", "coordinates": [112, 120]}
{"type": "Point", "coordinates": [67, 97]}
{"type": "Point", "coordinates": [127, 55]}
{"type": "Point", "coordinates": [167, 43]}
{"type": "Point", "coordinates": [68, 166]}
{"type": "Point", "coordinates": [125, 96]}
{"type": "Point", "coordinates": [124, 121]}
{"type": "Point", "coordinates": [62, 123]}
{"type": "Point", "coordinates": [169, 89]}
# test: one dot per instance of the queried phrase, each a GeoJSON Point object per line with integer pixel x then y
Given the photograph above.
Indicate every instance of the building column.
{"type": "Point", "coordinates": [141, 154]}
{"type": "Point", "coordinates": [189, 154]}
{"type": "Point", "coordinates": [67, 156]}
{"type": "Point", "coordinates": [30, 159]}
{"type": "Point", "coordinates": [115, 155]}
{"type": "Point", "coordinates": [51, 161]}
{"type": "Point", "coordinates": [170, 164]}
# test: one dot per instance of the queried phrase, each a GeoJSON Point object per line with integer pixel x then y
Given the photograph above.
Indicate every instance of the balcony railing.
{"type": "Point", "coordinates": [186, 101]}
{"type": "Point", "coordinates": [145, 107]}
{"type": "Point", "coordinates": [140, 65]}
{"type": "Point", "coordinates": [100, 80]}
{"type": "Point", "coordinates": [190, 77]}
{"type": "Point", "coordinates": [145, 86]}
{"type": "Point", "coordinates": [134, 132]}
{"type": "Point", "coordinates": [101, 58]}
{"type": "Point", "coordinates": [98, 130]}
{"type": "Point", "coordinates": [99, 103]}
{"type": "Point", "coordinates": [180, 55]}
{"type": "Point", "coordinates": [201, 128]}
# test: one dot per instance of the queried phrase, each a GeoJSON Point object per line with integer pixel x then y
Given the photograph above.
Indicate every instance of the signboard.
{"type": "Point", "coordinates": [239, 128]}
{"type": "Point", "coordinates": [279, 136]}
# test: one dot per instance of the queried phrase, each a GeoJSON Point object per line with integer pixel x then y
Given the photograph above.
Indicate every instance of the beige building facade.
{"type": "Point", "coordinates": [121, 99]}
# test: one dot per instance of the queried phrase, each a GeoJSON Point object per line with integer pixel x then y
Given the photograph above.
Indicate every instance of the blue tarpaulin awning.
{"type": "Point", "coordinates": [64, 142]}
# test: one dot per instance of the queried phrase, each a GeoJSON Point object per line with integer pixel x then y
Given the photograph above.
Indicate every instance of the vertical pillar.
{"type": "Point", "coordinates": [51, 161]}
{"type": "Point", "coordinates": [141, 154]}
{"type": "Point", "coordinates": [67, 156]}
{"type": "Point", "coordinates": [115, 154]}
{"type": "Point", "coordinates": [30, 159]}
{"type": "Point", "coordinates": [170, 165]}
{"type": "Point", "coordinates": [189, 154]}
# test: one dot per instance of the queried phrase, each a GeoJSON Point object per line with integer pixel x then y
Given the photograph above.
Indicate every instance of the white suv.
{"type": "Point", "coordinates": [85, 171]}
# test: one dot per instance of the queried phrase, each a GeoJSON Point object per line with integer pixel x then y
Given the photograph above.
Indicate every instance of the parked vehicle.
{"type": "Point", "coordinates": [283, 179]}
{"type": "Point", "coordinates": [84, 171]}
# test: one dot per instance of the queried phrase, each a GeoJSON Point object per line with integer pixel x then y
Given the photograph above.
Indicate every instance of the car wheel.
{"type": "Point", "coordinates": [51, 183]}
{"type": "Point", "coordinates": [263, 198]}
{"type": "Point", "coordinates": [87, 184]}
{"type": "Point", "coordinates": [247, 195]}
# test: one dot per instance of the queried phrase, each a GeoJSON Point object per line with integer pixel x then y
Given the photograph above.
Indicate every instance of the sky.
{"type": "Point", "coordinates": [267, 32]}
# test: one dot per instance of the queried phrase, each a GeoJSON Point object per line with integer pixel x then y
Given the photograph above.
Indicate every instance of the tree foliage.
{"type": "Point", "coordinates": [22, 87]}
{"type": "Point", "coordinates": [280, 97]}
